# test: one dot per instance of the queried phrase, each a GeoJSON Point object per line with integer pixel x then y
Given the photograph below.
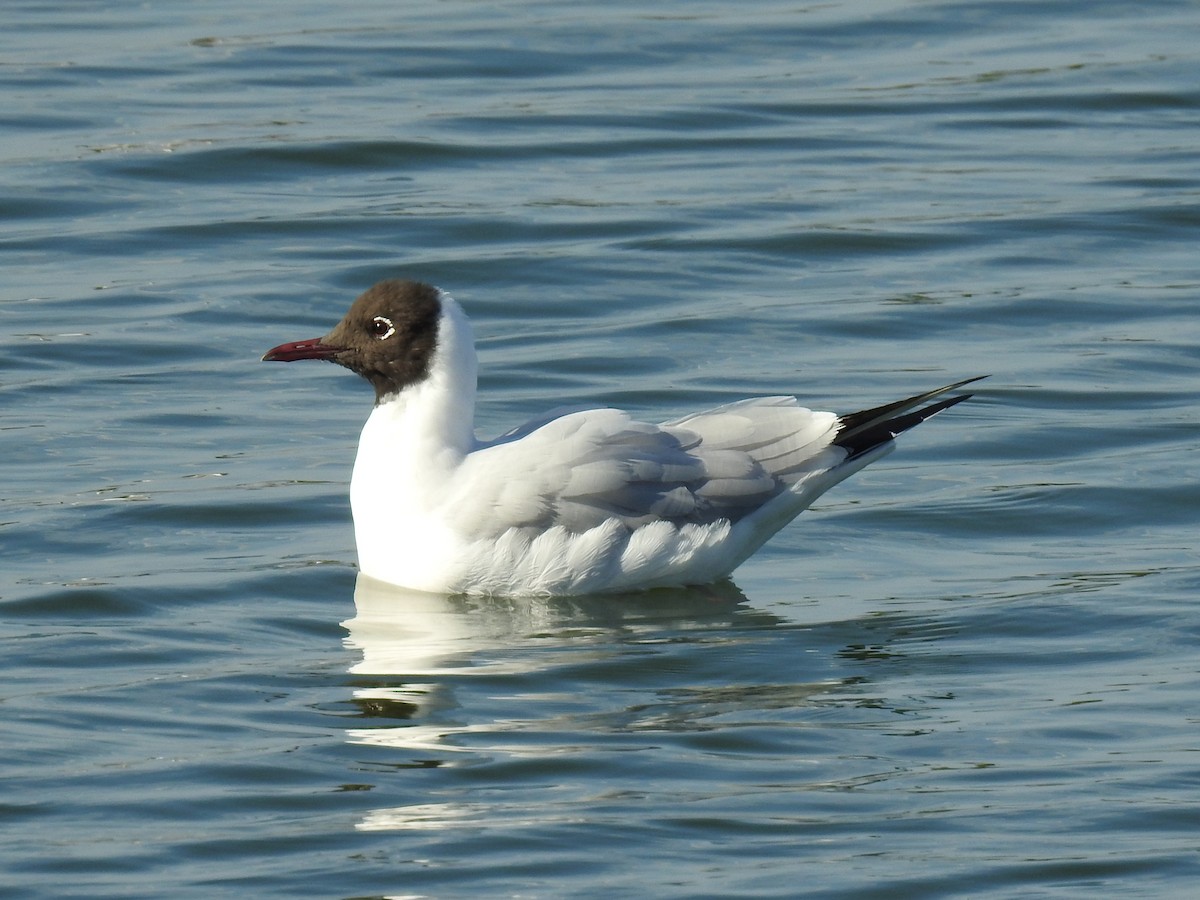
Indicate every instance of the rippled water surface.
{"type": "Point", "coordinates": [969, 671]}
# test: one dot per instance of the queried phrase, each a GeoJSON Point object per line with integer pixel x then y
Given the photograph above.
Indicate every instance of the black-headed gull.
{"type": "Point", "coordinates": [572, 503]}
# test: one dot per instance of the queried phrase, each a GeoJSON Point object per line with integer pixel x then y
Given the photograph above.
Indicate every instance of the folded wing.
{"type": "Point", "coordinates": [587, 467]}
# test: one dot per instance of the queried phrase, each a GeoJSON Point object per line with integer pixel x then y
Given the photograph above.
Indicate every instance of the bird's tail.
{"type": "Point", "coordinates": [862, 432]}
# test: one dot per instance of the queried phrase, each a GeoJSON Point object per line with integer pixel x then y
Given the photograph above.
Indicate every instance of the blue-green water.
{"type": "Point", "coordinates": [971, 670]}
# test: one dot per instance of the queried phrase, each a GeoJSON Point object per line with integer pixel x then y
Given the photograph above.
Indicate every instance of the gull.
{"type": "Point", "coordinates": [573, 502]}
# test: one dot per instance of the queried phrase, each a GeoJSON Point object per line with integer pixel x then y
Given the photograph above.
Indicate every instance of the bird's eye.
{"type": "Point", "coordinates": [382, 327]}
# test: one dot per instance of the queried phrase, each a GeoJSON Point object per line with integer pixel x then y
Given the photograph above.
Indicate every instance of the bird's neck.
{"type": "Point", "coordinates": [434, 417]}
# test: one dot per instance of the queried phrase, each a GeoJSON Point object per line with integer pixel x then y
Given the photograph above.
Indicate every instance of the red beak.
{"type": "Point", "coordinates": [310, 349]}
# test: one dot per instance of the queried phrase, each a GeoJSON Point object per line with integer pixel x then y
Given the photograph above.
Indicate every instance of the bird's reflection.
{"type": "Point", "coordinates": [531, 684]}
{"type": "Point", "coordinates": [416, 647]}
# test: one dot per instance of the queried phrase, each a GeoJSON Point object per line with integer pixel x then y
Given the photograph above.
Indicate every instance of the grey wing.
{"type": "Point", "coordinates": [584, 468]}
{"type": "Point", "coordinates": [786, 439]}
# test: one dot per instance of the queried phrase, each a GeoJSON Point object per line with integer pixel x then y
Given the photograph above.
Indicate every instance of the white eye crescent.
{"type": "Point", "coordinates": [382, 327]}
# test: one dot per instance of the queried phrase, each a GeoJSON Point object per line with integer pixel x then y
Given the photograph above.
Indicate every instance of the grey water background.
{"type": "Point", "coordinates": [969, 671]}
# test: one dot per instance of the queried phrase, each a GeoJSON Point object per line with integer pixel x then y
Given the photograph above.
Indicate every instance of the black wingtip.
{"type": "Point", "coordinates": [863, 431]}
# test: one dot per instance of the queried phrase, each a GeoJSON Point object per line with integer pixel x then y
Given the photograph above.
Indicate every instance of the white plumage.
{"type": "Point", "coordinates": [583, 502]}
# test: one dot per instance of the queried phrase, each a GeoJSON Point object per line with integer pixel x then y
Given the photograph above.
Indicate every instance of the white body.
{"type": "Point", "coordinates": [436, 510]}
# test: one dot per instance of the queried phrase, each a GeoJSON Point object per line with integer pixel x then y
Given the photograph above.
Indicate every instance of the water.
{"type": "Point", "coordinates": [970, 671]}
